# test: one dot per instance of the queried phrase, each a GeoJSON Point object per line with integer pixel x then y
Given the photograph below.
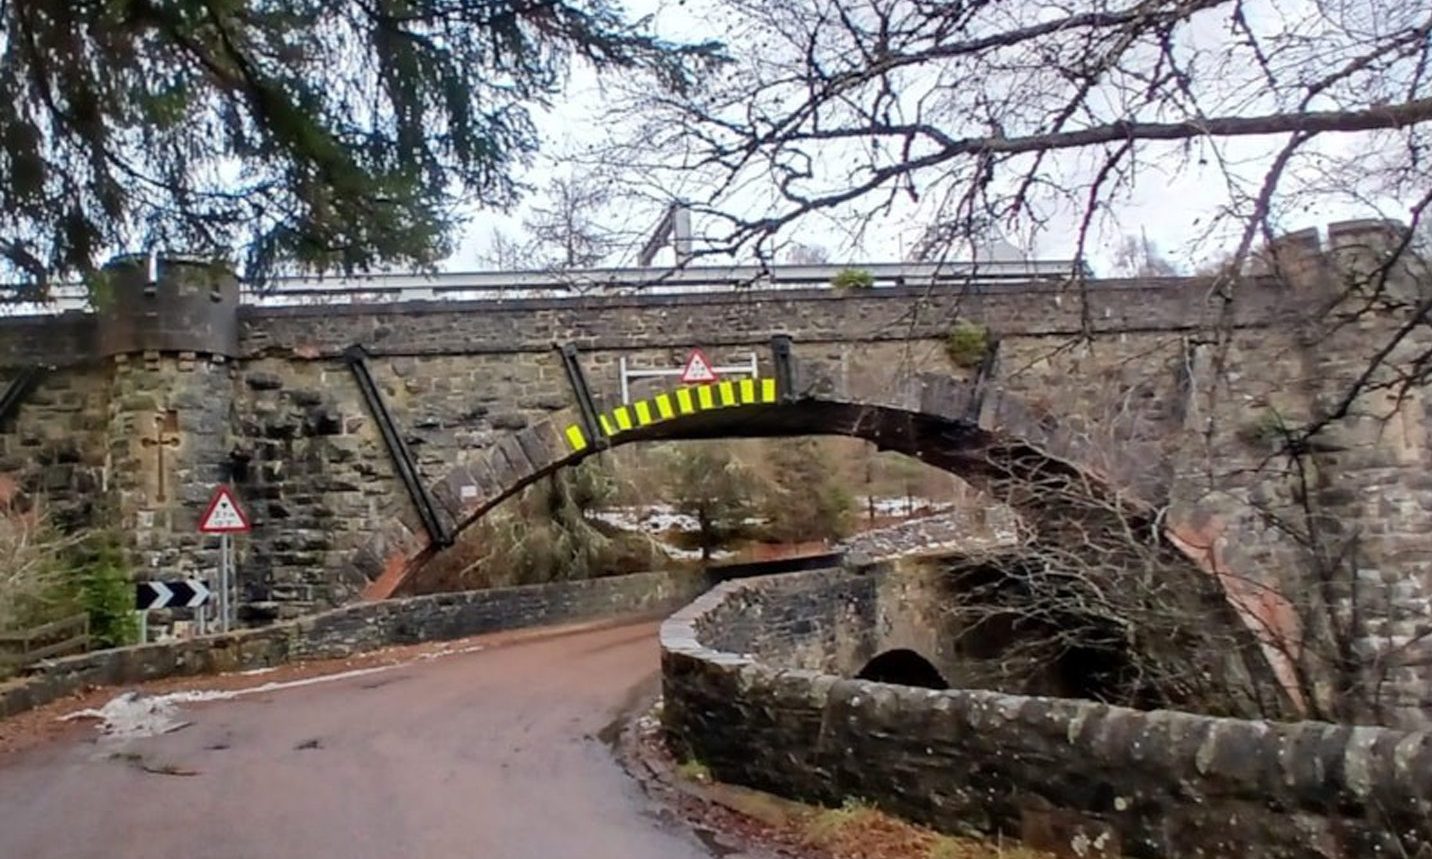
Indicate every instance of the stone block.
{"type": "Point", "coordinates": [263, 381]}
{"type": "Point", "coordinates": [543, 445]}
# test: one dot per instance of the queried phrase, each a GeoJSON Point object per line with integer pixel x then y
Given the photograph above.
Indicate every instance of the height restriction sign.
{"type": "Point", "coordinates": [698, 369]}
{"type": "Point", "coordinates": [223, 515]}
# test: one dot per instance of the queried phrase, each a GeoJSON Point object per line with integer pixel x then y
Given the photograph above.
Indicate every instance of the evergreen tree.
{"type": "Point", "coordinates": [807, 501]}
{"type": "Point", "coordinates": [309, 133]}
{"type": "Point", "coordinates": [715, 489]}
{"type": "Point", "coordinates": [551, 536]}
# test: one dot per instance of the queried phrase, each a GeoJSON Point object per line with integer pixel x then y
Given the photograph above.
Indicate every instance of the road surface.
{"type": "Point", "coordinates": [496, 753]}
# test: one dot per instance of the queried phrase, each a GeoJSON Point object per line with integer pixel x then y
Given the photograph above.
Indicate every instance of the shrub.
{"type": "Point", "coordinates": [853, 278]}
{"type": "Point", "coordinates": [48, 576]}
{"type": "Point", "coordinates": [33, 580]}
{"type": "Point", "coordinates": [806, 501]}
{"type": "Point", "coordinates": [105, 591]}
{"type": "Point", "coordinates": [967, 344]}
{"type": "Point", "coordinates": [694, 770]}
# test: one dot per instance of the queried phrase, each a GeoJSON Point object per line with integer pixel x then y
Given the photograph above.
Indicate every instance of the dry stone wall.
{"type": "Point", "coordinates": [745, 695]}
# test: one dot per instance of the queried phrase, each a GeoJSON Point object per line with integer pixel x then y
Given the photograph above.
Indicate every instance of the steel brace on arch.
{"type": "Point", "coordinates": [432, 519]}
{"type": "Point", "coordinates": [586, 406]}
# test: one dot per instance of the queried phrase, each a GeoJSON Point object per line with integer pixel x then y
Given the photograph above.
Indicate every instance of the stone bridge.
{"type": "Point", "coordinates": [364, 435]}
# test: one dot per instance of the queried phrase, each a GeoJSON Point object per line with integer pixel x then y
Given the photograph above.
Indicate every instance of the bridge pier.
{"type": "Point", "coordinates": [167, 328]}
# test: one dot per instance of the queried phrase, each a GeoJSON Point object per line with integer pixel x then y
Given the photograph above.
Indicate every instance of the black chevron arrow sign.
{"type": "Point", "coordinates": [183, 593]}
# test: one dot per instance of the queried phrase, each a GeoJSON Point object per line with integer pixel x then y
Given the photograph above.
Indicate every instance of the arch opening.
{"type": "Point", "coordinates": [903, 667]}
{"type": "Point", "coordinates": [1012, 633]}
{"type": "Point", "coordinates": [1077, 499]}
{"type": "Point", "coordinates": [697, 504]}
{"type": "Point", "coordinates": [1024, 476]}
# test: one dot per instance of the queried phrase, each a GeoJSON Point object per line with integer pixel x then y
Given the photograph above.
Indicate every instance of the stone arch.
{"type": "Point", "coordinates": [903, 667]}
{"type": "Point", "coordinates": [985, 435]}
{"type": "Point", "coordinates": [1055, 476]}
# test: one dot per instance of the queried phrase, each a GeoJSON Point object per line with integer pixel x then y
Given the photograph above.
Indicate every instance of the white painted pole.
{"type": "Point", "coordinates": [233, 585]}
{"type": "Point", "coordinates": [626, 395]}
{"type": "Point", "coordinates": [223, 582]}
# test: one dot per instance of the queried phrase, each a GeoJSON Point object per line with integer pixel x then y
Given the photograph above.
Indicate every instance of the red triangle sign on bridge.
{"type": "Point", "coordinates": [223, 515]}
{"type": "Point", "coordinates": [698, 369]}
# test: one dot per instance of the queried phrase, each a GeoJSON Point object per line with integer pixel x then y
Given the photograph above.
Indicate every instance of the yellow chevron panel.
{"type": "Point", "coordinates": [607, 425]}
{"type": "Point", "coordinates": [643, 413]}
{"type": "Point", "coordinates": [748, 390]}
{"type": "Point", "coordinates": [683, 401]}
{"type": "Point", "coordinates": [768, 390]}
{"type": "Point", "coordinates": [576, 438]}
{"type": "Point", "coordinates": [728, 393]}
{"type": "Point", "coordinates": [623, 418]}
{"type": "Point", "coordinates": [663, 407]}
{"type": "Point", "coordinates": [703, 394]}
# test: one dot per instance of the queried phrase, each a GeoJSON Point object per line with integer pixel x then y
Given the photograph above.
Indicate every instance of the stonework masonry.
{"type": "Point", "coordinates": [755, 688]}
{"type": "Point", "coordinates": [1157, 388]}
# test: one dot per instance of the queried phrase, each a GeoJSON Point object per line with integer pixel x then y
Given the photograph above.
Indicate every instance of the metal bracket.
{"type": "Point", "coordinates": [586, 406]}
{"type": "Point", "coordinates": [18, 389]}
{"type": "Point", "coordinates": [785, 367]}
{"type": "Point", "coordinates": [357, 359]}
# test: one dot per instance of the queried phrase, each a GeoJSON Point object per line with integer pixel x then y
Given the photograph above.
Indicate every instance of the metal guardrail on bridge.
{"type": "Point", "coordinates": [588, 283]}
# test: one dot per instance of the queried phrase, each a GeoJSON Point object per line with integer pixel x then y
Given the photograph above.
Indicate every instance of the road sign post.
{"type": "Point", "coordinates": [175, 593]}
{"type": "Point", "coordinates": [225, 517]}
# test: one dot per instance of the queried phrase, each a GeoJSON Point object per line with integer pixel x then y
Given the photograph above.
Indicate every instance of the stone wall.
{"type": "Point", "coordinates": [354, 629]}
{"type": "Point", "coordinates": [1088, 778]}
{"type": "Point", "coordinates": [822, 620]}
{"type": "Point", "coordinates": [836, 620]}
{"type": "Point", "coordinates": [315, 474]}
{"type": "Point", "coordinates": [741, 317]}
{"type": "Point", "coordinates": [56, 444]}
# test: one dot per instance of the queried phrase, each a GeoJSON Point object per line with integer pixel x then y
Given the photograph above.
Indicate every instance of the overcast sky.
{"type": "Point", "coordinates": [1171, 206]}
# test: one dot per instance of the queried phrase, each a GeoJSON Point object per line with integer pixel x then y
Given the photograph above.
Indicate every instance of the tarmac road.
{"type": "Point", "coordinates": [491, 754]}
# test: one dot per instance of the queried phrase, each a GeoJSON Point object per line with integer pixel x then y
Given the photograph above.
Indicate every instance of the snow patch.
{"type": "Point", "coordinates": [132, 715]}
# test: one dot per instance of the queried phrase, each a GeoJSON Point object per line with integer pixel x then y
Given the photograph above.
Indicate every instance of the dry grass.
{"type": "Point", "coordinates": [858, 830]}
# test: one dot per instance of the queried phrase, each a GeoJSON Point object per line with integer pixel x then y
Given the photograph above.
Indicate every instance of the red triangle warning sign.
{"type": "Point", "coordinates": [698, 369]}
{"type": "Point", "coordinates": [223, 515]}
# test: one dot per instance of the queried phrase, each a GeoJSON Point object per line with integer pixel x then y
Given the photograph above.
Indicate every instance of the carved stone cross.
{"type": "Point", "coordinates": [166, 434]}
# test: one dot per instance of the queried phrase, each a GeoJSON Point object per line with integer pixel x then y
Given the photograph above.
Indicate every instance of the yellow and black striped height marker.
{"type": "Point", "coordinates": [674, 404]}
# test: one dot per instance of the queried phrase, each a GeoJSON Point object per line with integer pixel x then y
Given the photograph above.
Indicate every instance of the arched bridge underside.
{"type": "Point", "coordinates": [988, 438]}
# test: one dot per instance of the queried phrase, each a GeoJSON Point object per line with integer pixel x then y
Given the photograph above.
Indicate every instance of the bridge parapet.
{"type": "Point", "coordinates": [763, 700]}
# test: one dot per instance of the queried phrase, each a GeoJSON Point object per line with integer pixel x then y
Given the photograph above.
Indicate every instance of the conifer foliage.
{"type": "Point", "coordinates": [304, 133]}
